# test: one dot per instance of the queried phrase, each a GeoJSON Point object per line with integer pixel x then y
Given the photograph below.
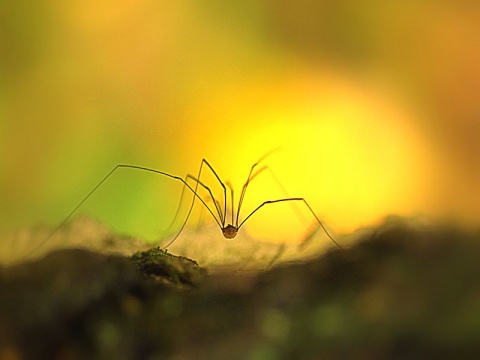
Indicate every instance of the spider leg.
{"type": "Point", "coordinates": [292, 199]}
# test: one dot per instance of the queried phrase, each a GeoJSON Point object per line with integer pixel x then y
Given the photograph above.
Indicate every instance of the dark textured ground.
{"type": "Point", "coordinates": [400, 292]}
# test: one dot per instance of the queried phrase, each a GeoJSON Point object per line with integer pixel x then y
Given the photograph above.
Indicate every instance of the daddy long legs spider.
{"type": "Point", "coordinates": [218, 213]}
{"type": "Point", "coordinates": [230, 230]}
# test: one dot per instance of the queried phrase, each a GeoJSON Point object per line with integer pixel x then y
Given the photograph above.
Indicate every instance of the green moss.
{"type": "Point", "coordinates": [166, 268]}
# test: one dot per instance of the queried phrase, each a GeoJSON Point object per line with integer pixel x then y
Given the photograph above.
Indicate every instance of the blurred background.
{"type": "Point", "coordinates": [374, 106]}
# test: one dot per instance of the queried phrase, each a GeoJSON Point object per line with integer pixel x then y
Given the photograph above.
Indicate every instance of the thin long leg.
{"type": "Point", "coordinates": [231, 199]}
{"type": "Point", "coordinates": [105, 178]}
{"type": "Point", "coordinates": [299, 213]}
{"type": "Point", "coordinates": [220, 223]}
{"type": "Point", "coordinates": [250, 178]}
{"type": "Point", "coordinates": [223, 186]}
{"type": "Point", "coordinates": [244, 188]}
{"type": "Point", "coordinates": [292, 199]}
{"type": "Point", "coordinates": [216, 203]}
{"type": "Point", "coordinates": [279, 184]}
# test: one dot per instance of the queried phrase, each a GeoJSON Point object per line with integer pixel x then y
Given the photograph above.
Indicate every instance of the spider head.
{"type": "Point", "coordinates": [229, 231]}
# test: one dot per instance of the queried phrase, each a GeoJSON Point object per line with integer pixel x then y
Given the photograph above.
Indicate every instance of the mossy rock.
{"type": "Point", "coordinates": [169, 269]}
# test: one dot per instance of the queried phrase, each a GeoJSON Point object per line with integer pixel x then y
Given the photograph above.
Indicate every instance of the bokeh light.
{"type": "Point", "coordinates": [374, 106]}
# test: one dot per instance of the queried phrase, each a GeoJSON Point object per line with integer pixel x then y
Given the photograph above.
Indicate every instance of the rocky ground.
{"type": "Point", "coordinates": [400, 292]}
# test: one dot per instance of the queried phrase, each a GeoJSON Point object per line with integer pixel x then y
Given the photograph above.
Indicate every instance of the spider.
{"type": "Point", "coordinates": [219, 213]}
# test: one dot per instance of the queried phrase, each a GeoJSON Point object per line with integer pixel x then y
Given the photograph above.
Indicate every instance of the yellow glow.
{"type": "Point", "coordinates": [351, 153]}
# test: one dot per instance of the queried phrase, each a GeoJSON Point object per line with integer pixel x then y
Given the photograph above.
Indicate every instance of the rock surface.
{"type": "Point", "coordinates": [399, 292]}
